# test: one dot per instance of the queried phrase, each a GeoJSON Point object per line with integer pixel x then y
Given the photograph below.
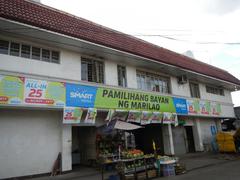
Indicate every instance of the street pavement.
{"type": "Point", "coordinates": [207, 166]}
{"type": "Point", "coordinates": [223, 171]}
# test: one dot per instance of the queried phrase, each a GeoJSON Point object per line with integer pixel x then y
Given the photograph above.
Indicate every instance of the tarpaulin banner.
{"type": "Point", "coordinates": [180, 105]}
{"type": "Point", "coordinates": [11, 90]}
{"type": "Point", "coordinates": [146, 117]}
{"type": "Point", "coordinates": [72, 115]}
{"type": "Point", "coordinates": [40, 92]}
{"type": "Point", "coordinates": [205, 108]}
{"type": "Point", "coordinates": [216, 109]}
{"type": "Point", "coordinates": [134, 116]}
{"type": "Point", "coordinates": [91, 116]}
{"type": "Point", "coordinates": [193, 106]}
{"type": "Point", "coordinates": [156, 117]}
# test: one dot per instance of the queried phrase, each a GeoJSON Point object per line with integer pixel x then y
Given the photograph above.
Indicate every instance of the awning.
{"type": "Point", "coordinates": [126, 126]}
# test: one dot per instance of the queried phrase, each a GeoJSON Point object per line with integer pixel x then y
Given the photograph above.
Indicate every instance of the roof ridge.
{"type": "Point", "coordinates": [49, 18]}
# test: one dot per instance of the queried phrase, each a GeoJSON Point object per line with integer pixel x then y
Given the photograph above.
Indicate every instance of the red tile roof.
{"type": "Point", "coordinates": [57, 21]}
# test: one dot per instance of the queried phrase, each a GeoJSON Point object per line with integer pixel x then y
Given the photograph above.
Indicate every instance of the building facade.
{"type": "Point", "coordinates": [46, 52]}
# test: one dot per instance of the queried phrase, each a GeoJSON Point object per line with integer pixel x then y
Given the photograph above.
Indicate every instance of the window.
{"type": "Point", "coordinates": [194, 90]}
{"type": "Point", "coordinates": [14, 49]}
{"type": "Point", "coordinates": [122, 80]}
{"type": "Point", "coordinates": [55, 57]}
{"type": "Point", "coordinates": [215, 90]}
{"type": "Point", "coordinates": [28, 51]}
{"type": "Point", "coordinates": [36, 52]}
{"type": "Point", "coordinates": [25, 51]}
{"type": "Point", "coordinates": [46, 55]}
{"type": "Point", "coordinates": [152, 82]}
{"type": "Point", "coordinates": [4, 45]}
{"type": "Point", "coordinates": [92, 70]}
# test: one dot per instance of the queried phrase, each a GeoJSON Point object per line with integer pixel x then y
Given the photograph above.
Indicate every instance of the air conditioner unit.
{"type": "Point", "coordinates": [182, 79]}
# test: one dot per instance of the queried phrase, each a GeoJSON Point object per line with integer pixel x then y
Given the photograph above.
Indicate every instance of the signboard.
{"type": "Point", "coordinates": [205, 107]}
{"type": "Point", "coordinates": [130, 100]}
{"type": "Point", "coordinates": [134, 116]}
{"type": "Point", "coordinates": [180, 105]}
{"type": "Point", "coordinates": [11, 90]}
{"type": "Point", "coordinates": [156, 117]}
{"type": "Point", "coordinates": [72, 115]}
{"type": "Point", "coordinates": [146, 117]}
{"type": "Point", "coordinates": [39, 92]}
{"type": "Point", "coordinates": [91, 116]}
{"type": "Point", "coordinates": [193, 106]}
{"type": "Point", "coordinates": [216, 109]}
{"type": "Point", "coordinates": [80, 95]}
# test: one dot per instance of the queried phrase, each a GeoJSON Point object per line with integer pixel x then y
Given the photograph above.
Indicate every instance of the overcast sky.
{"type": "Point", "coordinates": [208, 28]}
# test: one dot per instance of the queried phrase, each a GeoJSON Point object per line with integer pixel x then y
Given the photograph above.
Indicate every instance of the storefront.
{"type": "Point", "coordinates": [40, 119]}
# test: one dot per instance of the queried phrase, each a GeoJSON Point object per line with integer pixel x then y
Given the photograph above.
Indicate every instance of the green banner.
{"type": "Point", "coordinates": [131, 100]}
{"type": "Point", "coordinates": [11, 89]}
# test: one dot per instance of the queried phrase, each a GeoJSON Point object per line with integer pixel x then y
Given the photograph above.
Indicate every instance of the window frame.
{"type": "Point", "coordinates": [153, 82]}
{"type": "Point", "coordinates": [194, 94]}
{"type": "Point", "coordinates": [12, 51]}
{"type": "Point", "coordinates": [211, 89]}
{"type": "Point", "coordinates": [121, 69]}
{"type": "Point", "coordinates": [94, 62]}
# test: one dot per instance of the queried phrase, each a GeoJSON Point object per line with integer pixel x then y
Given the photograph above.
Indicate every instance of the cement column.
{"type": "Point", "coordinates": [171, 139]}
{"type": "Point", "coordinates": [66, 147]}
{"type": "Point", "coordinates": [168, 139]}
{"type": "Point", "coordinates": [197, 133]}
{"type": "Point", "coordinates": [218, 125]}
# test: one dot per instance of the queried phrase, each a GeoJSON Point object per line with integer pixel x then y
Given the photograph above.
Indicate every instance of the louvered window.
{"type": "Point", "coordinates": [92, 70]}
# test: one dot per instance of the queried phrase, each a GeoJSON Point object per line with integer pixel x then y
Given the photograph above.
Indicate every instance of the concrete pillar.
{"type": "Point", "coordinates": [197, 135]}
{"type": "Point", "coordinates": [66, 147]}
{"type": "Point", "coordinates": [168, 139]}
{"type": "Point", "coordinates": [218, 125]}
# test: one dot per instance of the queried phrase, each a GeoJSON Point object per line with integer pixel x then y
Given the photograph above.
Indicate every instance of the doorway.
{"type": "Point", "coordinates": [144, 138]}
{"type": "Point", "coordinates": [190, 139]}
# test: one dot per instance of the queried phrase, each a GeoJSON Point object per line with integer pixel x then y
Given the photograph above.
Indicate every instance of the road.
{"type": "Point", "coordinates": [224, 171]}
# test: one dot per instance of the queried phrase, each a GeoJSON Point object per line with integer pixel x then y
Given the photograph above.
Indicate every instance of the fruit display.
{"type": "Point", "coordinates": [130, 154]}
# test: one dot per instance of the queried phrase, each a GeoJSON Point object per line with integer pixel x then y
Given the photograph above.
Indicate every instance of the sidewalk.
{"type": "Point", "coordinates": [192, 161]}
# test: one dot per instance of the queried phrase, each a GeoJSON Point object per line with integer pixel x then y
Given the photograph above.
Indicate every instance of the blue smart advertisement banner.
{"type": "Point", "coordinates": [180, 105]}
{"type": "Point", "coordinates": [80, 95]}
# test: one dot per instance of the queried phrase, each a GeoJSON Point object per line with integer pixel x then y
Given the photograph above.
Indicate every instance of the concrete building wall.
{"type": "Point", "coordinates": [180, 89]}
{"type": "Point", "coordinates": [214, 97]}
{"type": "Point", "coordinates": [30, 141]}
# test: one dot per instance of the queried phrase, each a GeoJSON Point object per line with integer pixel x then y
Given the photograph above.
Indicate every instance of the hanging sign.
{"type": "Point", "coordinates": [120, 114]}
{"type": "Point", "coordinates": [174, 119]}
{"type": "Point", "coordinates": [167, 118]}
{"type": "Point", "coordinates": [91, 116]}
{"type": "Point", "coordinates": [134, 116]}
{"type": "Point", "coordinates": [11, 90]}
{"type": "Point", "coordinates": [72, 115]}
{"type": "Point", "coordinates": [146, 117]}
{"type": "Point", "coordinates": [156, 117]}
{"type": "Point", "coordinates": [39, 92]}
{"type": "Point", "coordinates": [110, 114]}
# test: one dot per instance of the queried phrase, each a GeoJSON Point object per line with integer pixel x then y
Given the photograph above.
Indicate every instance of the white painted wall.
{"type": "Point", "coordinates": [227, 98]}
{"type": "Point", "coordinates": [69, 67]}
{"type": "Point", "coordinates": [179, 89]}
{"type": "Point", "coordinates": [30, 141]}
{"type": "Point", "coordinates": [131, 77]}
{"type": "Point", "coordinates": [111, 73]}
{"type": "Point", "coordinates": [206, 135]}
{"type": "Point", "coordinates": [66, 147]}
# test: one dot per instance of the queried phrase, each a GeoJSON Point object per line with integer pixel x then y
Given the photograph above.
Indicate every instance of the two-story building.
{"type": "Point", "coordinates": [50, 59]}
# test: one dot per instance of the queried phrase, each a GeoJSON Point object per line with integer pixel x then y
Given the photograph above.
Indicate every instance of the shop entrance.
{"type": "Point", "coordinates": [190, 139]}
{"type": "Point", "coordinates": [83, 146]}
{"type": "Point", "coordinates": [144, 138]}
